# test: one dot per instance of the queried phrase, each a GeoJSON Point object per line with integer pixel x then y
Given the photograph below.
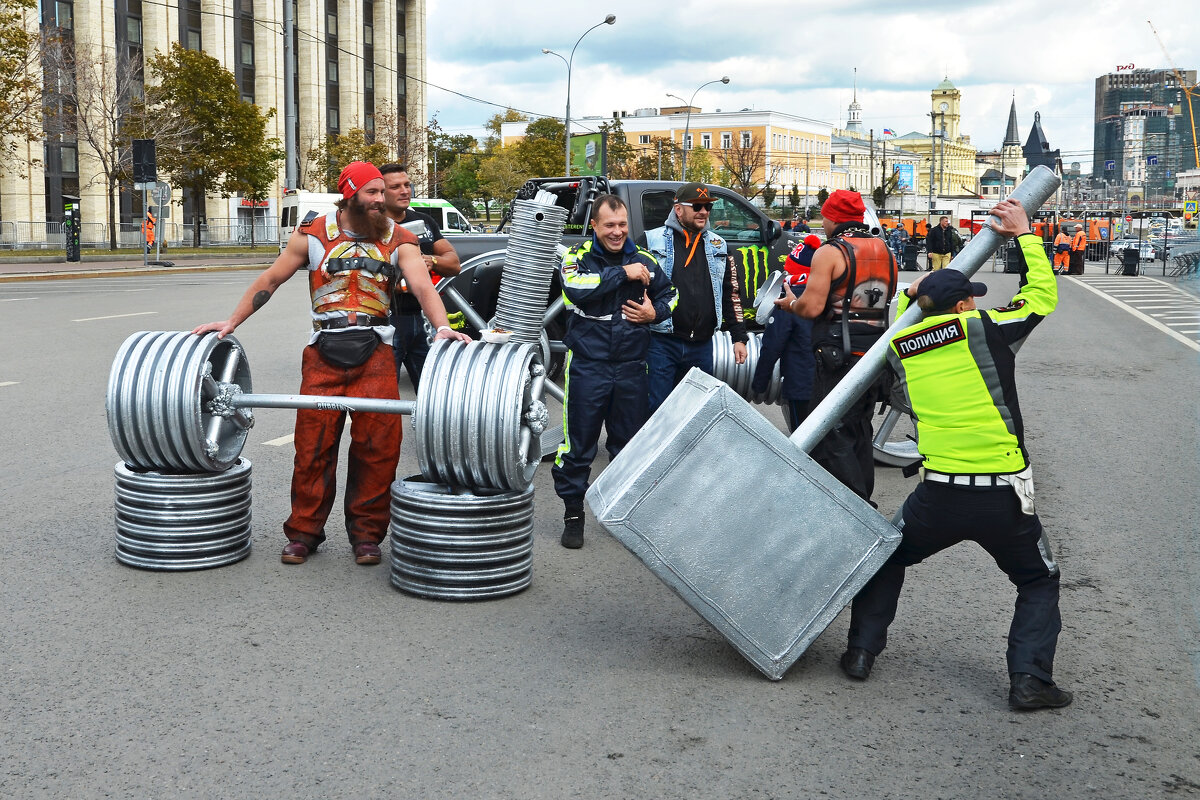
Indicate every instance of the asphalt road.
{"type": "Point", "coordinates": [266, 680]}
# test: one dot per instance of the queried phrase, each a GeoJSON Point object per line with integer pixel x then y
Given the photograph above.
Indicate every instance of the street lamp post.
{"type": "Point", "coordinates": [687, 125]}
{"type": "Point", "coordinates": [608, 20]}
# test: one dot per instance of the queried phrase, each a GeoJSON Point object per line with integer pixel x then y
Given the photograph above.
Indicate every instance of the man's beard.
{"type": "Point", "coordinates": [367, 219]}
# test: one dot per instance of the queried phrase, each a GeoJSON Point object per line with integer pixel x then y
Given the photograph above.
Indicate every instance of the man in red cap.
{"type": "Point", "coordinates": [849, 288]}
{"type": "Point", "coordinates": [353, 258]}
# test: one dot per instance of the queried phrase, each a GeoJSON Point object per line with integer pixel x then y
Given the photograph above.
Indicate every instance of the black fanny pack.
{"type": "Point", "coordinates": [347, 349]}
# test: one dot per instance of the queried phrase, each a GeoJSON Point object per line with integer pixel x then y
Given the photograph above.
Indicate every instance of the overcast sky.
{"type": "Point", "coordinates": [798, 58]}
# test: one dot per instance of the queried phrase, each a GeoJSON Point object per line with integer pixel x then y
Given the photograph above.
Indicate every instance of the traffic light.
{"type": "Point", "coordinates": [145, 170]}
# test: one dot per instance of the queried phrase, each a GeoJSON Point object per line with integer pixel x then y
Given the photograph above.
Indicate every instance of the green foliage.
{"type": "Point", "coordinates": [226, 140]}
{"type": "Point", "coordinates": [822, 196]}
{"type": "Point", "coordinates": [20, 78]}
{"type": "Point", "coordinates": [622, 161]}
{"type": "Point", "coordinates": [337, 151]}
{"type": "Point", "coordinates": [501, 174]}
{"type": "Point", "coordinates": [541, 153]}
{"type": "Point", "coordinates": [700, 166]}
{"type": "Point", "coordinates": [768, 195]}
{"type": "Point", "coordinates": [794, 197]}
{"type": "Point", "coordinates": [493, 124]}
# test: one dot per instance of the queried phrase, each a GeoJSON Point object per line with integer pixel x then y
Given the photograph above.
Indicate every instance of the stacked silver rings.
{"type": "Point", "coordinates": [529, 265]}
{"type": "Point", "coordinates": [740, 376]}
{"type": "Point", "coordinates": [182, 521]}
{"type": "Point", "coordinates": [452, 544]}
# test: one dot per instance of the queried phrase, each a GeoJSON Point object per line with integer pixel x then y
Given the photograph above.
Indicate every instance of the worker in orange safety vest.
{"type": "Point", "coordinates": [1078, 246]}
{"type": "Point", "coordinates": [148, 229]}
{"type": "Point", "coordinates": [1062, 251]}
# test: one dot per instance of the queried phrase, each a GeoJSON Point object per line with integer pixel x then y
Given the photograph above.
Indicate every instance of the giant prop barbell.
{"type": "Point", "coordinates": [181, 402]}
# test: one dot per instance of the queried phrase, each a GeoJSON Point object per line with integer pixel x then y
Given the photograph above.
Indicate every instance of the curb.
{"type": "Point", "coordinates": [123, 272]}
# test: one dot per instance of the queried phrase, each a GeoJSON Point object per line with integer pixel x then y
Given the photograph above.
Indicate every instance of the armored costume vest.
{"type": "Point", "coordinates": [351, 274]}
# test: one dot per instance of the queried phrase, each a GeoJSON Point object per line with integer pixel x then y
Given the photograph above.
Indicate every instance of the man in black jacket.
{"type": "Point", "coordinates": [942, 243]}
{"type": "Point", "coordinates": [410, 344]}
{"type": "Point", "coordinates": [614, 290]}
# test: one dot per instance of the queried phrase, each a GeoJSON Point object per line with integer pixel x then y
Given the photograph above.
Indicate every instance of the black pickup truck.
{"type": "Point", "coordinates": [755, 241]}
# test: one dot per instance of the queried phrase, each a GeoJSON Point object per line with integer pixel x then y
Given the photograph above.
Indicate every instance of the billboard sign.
{"type": "Point", "coordinates": [588, 154]}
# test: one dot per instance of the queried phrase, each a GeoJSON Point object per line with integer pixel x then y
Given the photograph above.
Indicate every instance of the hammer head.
{"type": "Point", "coordinates": [740, 523]}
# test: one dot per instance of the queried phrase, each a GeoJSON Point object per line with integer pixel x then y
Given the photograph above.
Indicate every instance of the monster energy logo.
{"type": "Point", "coordinates": [754, 272]}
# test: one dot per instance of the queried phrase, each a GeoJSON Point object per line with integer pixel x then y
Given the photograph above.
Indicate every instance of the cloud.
{"type": "Point", "coordinates": [801, 60]}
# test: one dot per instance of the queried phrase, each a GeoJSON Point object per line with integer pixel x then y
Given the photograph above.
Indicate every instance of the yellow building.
{"type": "Point", "coordinates": [947, 155]}
{"type": "Point", "coordinates": [795, 150]}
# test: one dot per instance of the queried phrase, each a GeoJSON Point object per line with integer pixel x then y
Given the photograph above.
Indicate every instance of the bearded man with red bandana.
{"type": "Point", "coordinates": [354, 258]}
{"type": "Point", "coordinates": [847, 295]}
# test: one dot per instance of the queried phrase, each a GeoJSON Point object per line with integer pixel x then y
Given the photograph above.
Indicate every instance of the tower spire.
{"type": "Point", "coordinates": [1011, 136]}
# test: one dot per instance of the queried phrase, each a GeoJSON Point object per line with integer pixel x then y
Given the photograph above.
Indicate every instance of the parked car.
{"type": "Point", "coordinates": [1148, 252]}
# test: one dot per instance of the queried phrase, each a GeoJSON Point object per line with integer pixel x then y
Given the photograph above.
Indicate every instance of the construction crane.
{"type": "Point", "coordinates": [1187, 92]}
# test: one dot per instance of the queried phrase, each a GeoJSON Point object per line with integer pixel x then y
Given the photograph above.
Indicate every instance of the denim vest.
{"type": "Point", "coordinates": [661, 242]}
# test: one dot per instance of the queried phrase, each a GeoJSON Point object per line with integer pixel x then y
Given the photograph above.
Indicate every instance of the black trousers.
{"type": "Point", "coordinates": [410, 344]}
{"type": "Point", "coordinates": [937, 516]}
{"type": "Point", "coordinates": [846, 452]}
{"type": "Point", "coordinates": [608, 394]}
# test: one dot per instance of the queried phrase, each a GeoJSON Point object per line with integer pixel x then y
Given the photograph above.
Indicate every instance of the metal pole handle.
{"type": "Point", "coordinates": [323, 403]}
{"type": "Point", "coordinates": [1035, 190]}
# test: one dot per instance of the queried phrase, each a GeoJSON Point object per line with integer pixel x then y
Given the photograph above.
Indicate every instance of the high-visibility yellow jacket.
{"type": "Point", "coordinates": [957, 373]}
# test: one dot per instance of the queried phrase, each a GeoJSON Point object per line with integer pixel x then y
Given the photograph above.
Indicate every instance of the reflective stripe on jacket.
{"type": "Point", "coordinates": [595, 287]}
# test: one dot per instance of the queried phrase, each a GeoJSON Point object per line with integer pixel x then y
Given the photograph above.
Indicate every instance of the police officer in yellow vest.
{"type": "Point", "coordinates": [955, 369]}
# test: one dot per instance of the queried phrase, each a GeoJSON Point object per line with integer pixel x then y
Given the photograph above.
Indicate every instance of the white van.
{"type": "Point", "coordinates": [297, 204]}
{"type": "Point", "coordinates": [448, 218]}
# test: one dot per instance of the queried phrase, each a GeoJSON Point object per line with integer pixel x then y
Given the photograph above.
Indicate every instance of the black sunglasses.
{"type": "Point", "coordinates": [699, 206]}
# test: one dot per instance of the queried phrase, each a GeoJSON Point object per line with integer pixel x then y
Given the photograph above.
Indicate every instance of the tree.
{"type": "Point", "coordinates": [193, 86]}
{"type": "Point", "coordinates": [881, 193]}
{"type": "Point", "coordinates": [331, 156]}
{"type": "Point", "coordinates": [822, 196]}
{"type": "Point", "coordinates": [660, 151]}
{"type": "Point", "coordinates": [620, 157]}
{"type": "Point", "coordinates": [501, 174]}
{"type": "Point", "coordinates": [768, 196]}
{"type": "Point", "coordinates": [256, 176]}
{"type": "Point", "coordinates": [794, 197]}
{"type": "Point", "coordinates": [700, 166]}
{"type": "Point", "coordinates": [99, 105]}
{"type": "Point", "coordinates": [494, 139]}
{"type": "Point", "coordinates": [20, 76]}
{"type": "Point", "coordinates": [745, 163]}
{"type": "Point", "coordinates": [540, 154]}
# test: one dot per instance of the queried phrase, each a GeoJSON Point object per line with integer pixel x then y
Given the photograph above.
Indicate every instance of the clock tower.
{"type": "Point", "coordinates": [945, 109]}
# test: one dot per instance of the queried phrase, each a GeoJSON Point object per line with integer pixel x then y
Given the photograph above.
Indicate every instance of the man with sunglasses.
{"type": "Point", "coordinates": [697, 262]}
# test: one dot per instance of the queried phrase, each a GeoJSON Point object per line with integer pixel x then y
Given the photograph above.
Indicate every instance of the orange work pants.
{"type": "Point", "coordinates": [374, 450]}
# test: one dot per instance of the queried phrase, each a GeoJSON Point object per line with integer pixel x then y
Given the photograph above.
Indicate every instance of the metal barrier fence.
{"type": "Point", "coordinates": [22, 235]}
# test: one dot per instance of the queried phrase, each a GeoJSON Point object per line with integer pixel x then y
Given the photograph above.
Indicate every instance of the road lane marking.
{"type": "Point", "coordinates": [116, 316]}
{"type": "Point", "coordinates": [9, 383]}
{"type": "Point", "coordinates": [1143, 317]}
{"type": "Point", "coordinates": [281, 441]}
{"type": "Point", "coordinates": [15, 299]}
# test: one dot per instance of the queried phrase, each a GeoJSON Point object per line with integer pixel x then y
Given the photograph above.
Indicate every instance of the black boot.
{"type": "Point", "coordinates": [856, 663]}
{"type": "Point", "coordinates": [572, 535]}
{"type": "Point", "coordinates": [1029, 693]}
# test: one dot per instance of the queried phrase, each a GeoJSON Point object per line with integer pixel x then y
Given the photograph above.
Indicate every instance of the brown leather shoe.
{"type": "Point", "coordinates": [295, 553]}
{"type": "Point", "coordinates": [366, 553]}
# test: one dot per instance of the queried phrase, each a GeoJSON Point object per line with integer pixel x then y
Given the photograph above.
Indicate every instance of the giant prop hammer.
{"type": "Point", "coordinates": [738, 521]}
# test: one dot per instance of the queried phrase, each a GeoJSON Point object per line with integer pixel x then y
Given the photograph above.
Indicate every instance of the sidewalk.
{"type": "Point", "coordinates": [109, 266]}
